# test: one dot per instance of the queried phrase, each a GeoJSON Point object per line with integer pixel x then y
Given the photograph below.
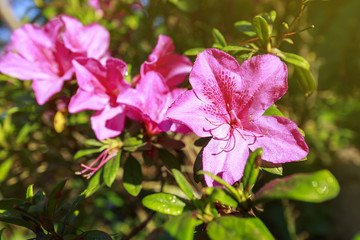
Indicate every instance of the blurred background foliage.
{"type": "Point", "coordinates": [32, 152]}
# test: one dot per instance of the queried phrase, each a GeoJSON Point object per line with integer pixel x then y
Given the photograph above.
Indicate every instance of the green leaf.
{"type": "Point", "coordinates": [294, 59]}
{"type": "Point", "coordinates": [231, 189]}
{"type": "Point", "coordinates": [219, 195]}
{"type": "Point", "coordinates": [18, 222]}
{"type": "Point", "coordinates": [273, 111]}
{"type": "Point", "coordinates": [193, 51]}
{"type": "Point", "coordinates": [306, 80]}
{"type": "Point", "coordinates": [38, 197]}
{"type": "Point", "coordinates": [236, 48]}
{"type": "Point", "coordinates": [95, 235]}
{"type": "Point", "coordinates": [246, 28]}
{"type": "Point", "coordinates": [111, 168]}
{"type": "Point", "coordinates": [218, 38]}
{"type": "Point", "coordinates": [314, 187]}
{"type": "Point", "coordinates": [93, 142]}
{"type": "Point", "coordinates": [131, 144]}
{"type": "Point", "coordinates": [5, 168]}
{"type": "Point", "coordinates": [85, 152]}
{"type": "Point", "coordinates": [272, 168]}
{"type": "Point", "coordinates": [236, 228]}
{"type": "Point", "coordinates": [95, 183]}
{"type": "Point", "coordinates": [164, 203]}
{"type": "Point", "coordinates": [30, 193]}
{"type": "Point", "coordinates": [261, 29]}
{"type": "Point", "coordinates": [169, 159]}
{"type": "Point", "coordinates": [357, 237]}
{"type": "Point", "coordinates": [132, 178]}
{"type": "Point", "coordinates": [54, 197]}
{"type": "Point", "coordinates": [251, 170]}
{"type": "Point", "coordinates": [183, 183]}
{"type": "Point", "coordinates": [9, 203]}
{"type": "Point", "coordinates": [181, 227]}
{"type": "Point", "coordinates": [69, 214]}
{"type": "Point", "coordinates": [1, 232]}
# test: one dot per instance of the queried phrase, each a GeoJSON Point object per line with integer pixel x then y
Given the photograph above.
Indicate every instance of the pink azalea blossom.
{"type": "Point", "coordinates": [99, 87]}
{"type": "Point", "coordinates": [173, 67]}
{"type": "Point", "coordinates": [44, 54]}
{"type": "Point", "coordinates": [149, 102]}
{"type": "Point", "coordinates": [227, 103]}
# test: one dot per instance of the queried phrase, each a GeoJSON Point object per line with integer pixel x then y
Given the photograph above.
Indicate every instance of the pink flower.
{"type": "Point", "coordinates": [173, 67]}
{"type": "Point", "coordinates": [99, 87]}
{"type": "Point", "coordinates": [149, 102]}
{"type": "Point", "coordinates": [227, 103]}
{"type": "Point", "coordinates": [44, 54]}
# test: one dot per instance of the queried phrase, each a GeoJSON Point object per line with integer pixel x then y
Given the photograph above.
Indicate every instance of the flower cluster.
{"type": "Point", "coordinates": [227, 101]}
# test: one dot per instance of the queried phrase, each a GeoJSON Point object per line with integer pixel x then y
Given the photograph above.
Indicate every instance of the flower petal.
{"type": "Point", "coordinates": [279, 137]}
{"type": "Point", "coordinates": [264, 79]}
{"type": "Point", "coordinates": [173, 67]}
{"type": "Point", "coordinates": [45, 89]}
{"type": "Point", "coordinates": [90, 73]}
{"type": "Point", "coordinates": [109, 122]}
{"type": "Point", "coordinates": [215, 79]}
{"type": "Point", "coordinates": [92, 39]}
{"type": "Point", "coordinates": [229, 165]}
{"type": "Point", "coordinates": [189, 110]}
{"type": "Point", "coordinates": [83, 100]}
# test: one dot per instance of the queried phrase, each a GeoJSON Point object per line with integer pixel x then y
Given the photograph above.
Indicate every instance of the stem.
{"type": "Point", "coordinates": [293, 23]}
{"type": "Point", "coordinates": [139, 228]}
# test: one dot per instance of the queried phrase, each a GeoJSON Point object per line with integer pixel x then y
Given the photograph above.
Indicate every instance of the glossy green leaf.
{"type": "Point", "coordinates": [183, 183]}
{"type": "Point", "coordinates": [132, 178]}
{"type": "Point", "coordinates": [273, 111]}
{"type": "Point", "coordinates": [294, 59]}
{"type": "Point", "coordinates": [222, 196]}
{"type": "Point", "coordinates": [54, 197]}
{"type": "Point", "coordinates": [169, 159]}
{"type": "Point", "coordinates": [272, 168]}
{"type": "Point", "coordinates": [5, 168]}
{"type": "Point", "coordinates": [231, 189]}
{"type": "Point", "coordinates": [246, 28]}
{"type": "Point", "coordinates": [193, 51]}
{"type": "Point", "coordinates": [18, 222]}
{"type": "Point", "coordinates": [308, 187]}
{"type": "Point", "coordinates": [181, 227]}
{"type": "Point", "coordinates": [306, 80]}
{"type": "Point", "coordinates": [85, 152]}
{"type": "Point", "coordinates": [95, 235]}
{"type": "Point", "coordinates": [236, 48]}
{"type": "Point", "coordinates": [93, 142]}
{"type": "Point", "coordinates": [261, 29]}
{"type": "Point", "coordinates": [164, 203]}
{"type": "Point", "coordinates": [236, 228]}
{"type": "Point", "coordinates": [218, 38]}
{"type": "Point", "coordinates": [9, 203]}
{"type": "Point", "coordinates": [251, 170]}
{"type": "Point", "coordinates": [111, 168]}
{"type": "Point", "coordinates": [95, 183]}
{"type": "Point", "coordinates": [30, 193]}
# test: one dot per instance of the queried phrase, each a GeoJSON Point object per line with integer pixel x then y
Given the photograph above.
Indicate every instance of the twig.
{"type": "Point", "coordinates": [139, 228]}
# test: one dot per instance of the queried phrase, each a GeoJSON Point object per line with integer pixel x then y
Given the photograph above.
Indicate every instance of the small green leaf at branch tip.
{"type": "Point", "coordinates": [219, 38]}
{"type": "Point", "coordinates": [181, 227]}
{"type": "Point", "coordinates": [246, 28]}
{"type": "Point", "coordinates": [183, 183]}
{"type": "Point", "coordinates": [132, 179]}
{"type": "Point", "coordinates": [193, 51]}
{"type": "Point", "coordinates": [310, 187]}
{"type": "Point", "coordinates": [294, 59]}
{"type": "Point", "coordinates": [93, 142]}
{"type": "Point", "coordinates": [30, 193]}
{"type": "Point", "coordinates": [236, 48]}
{"type": "Point", "coordinates": [84, 152]}
{"type": "Point", "coordinates": [261, 29]}
{"type": "Point", "coordinates": [230, 188]}
{"type": "Point", "coordinates": [54, 197]}
{"type": "Point", "coordinates": [235, 228]}
{"type": "Point", "coordinates": [164, 203]}
{"type": "Point", "coordinates": [111, 168]}
{"type": "Point", "coordinates": [251, 170]}
{"type": "Point", "coordinates": [272, 168]}
{"type": "Point", "coordinates": [306, 80]}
